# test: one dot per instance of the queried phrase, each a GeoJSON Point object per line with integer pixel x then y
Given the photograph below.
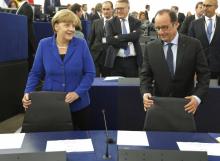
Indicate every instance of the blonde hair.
{"type": "Point", "coordinates": [64, 15]}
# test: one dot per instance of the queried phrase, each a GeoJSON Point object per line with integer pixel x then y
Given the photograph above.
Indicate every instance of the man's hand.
{"type": "Point", "coordinates": [191, 107]}
{"type": "Point", "coordinates": [71, 97]}
{"type": "Point", "coordinates": [148, 102]}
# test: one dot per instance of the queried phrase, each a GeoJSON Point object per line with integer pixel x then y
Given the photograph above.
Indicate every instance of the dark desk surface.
{"type": "Point", "coordinates": [36, 142]}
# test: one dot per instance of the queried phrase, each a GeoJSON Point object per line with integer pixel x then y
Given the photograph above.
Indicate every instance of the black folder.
{"type": "Point", "coordinates": [48, 112]}
{"type": "Point", "coordinates": [168, 114]}
{"type": "Point", "coordinates": [38, 156]}
{"type": "Point", "coordinates": [160, 155]}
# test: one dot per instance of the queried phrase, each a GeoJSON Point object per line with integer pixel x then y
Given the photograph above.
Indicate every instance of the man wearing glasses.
{"type": "Point", "coordinates": [170, 63]}
{"type": "Point", "coordinates": [122, 34]}
{"type": "Point", "coordinates": [207, 30]}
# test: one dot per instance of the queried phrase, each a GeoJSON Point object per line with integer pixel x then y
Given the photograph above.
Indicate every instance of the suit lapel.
{"type": "Point", "coordinates": [118, 25]}
{"type": "Point", "coordinates": [160, 57]}
{"type": "Point", "coordinates": [180, 53]}
{"type": "Point", "coordinates": [203, 24]}
{"type": "Point", "coordinates": [216, 28]}
{"type": "Point", "coordinates": [101, 26]}
{"type": "Point", "coordinates": [55, 51]}
{"type": "Point", "coordinates": [70, 51]}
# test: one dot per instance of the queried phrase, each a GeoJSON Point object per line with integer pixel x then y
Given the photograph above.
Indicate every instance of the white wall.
{"type": "Point", "coordinates": [139, 5]}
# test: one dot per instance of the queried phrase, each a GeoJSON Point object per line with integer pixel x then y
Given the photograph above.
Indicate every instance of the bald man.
{"type": "Point", "coordinates": [207, 30]}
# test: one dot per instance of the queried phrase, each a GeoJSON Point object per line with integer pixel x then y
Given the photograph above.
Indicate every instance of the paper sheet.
{"type": "Point", "coordinates": [11, 141]}
{"type": "Point", "coordinates": [211, 148]}
{"type": "Point", "coordinates": [78, 145]}
{"type": "Point", "coordinates": [112, 78]}
{"type": "Point", "coordinates": [133, 138]}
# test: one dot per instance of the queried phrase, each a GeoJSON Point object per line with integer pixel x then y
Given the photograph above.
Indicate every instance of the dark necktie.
{"type": "Point", "coordinates": [124, 31]}
{"type": "Point", "coordinates": [170, 59]}
{"type": "Point", "coordinates": [209, 30]}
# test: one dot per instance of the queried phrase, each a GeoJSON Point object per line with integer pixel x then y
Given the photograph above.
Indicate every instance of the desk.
{"type": "Point", "coordinates": [124, 108]}
{"type": "Point", "coordinates": [36, 142]}
{"type": "Point", "coordinates": [122, 103]}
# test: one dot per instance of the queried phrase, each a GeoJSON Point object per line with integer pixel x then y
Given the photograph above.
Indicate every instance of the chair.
{"type": "Point", "coordinates": [48, 112]}
{"type": "Point", "coordinates": [168, 114]}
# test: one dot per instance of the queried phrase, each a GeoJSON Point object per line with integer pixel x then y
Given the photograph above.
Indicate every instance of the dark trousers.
{"type": "Point", "coordinates": [126, 67]}
{"type": "Point", "coordinates": [102, 71]}
{"type": "Point", "coordinates": [216, 75]}
{"type": "Point", "coordinates": [80, 119]}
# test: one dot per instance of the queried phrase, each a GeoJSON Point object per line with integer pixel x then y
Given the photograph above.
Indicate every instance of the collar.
{"type": "Point", "coordinates": [126, 18]}
{"type": "Point", "coordinates": [100, 15]}
{"type": "Point", "coordinates": [107, 19]}
{"type": "Point", "coordinates": [197, 17]}
{"type": "Point", "coordinates": [213, 18]}
{"type": "Point", "coordinates": [174, 41]}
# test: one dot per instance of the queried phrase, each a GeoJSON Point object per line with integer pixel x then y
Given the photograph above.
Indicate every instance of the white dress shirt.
{"type": "Point", "coordinates": [207, 19]}
{"type": "Point", "coordinates": [121, 52]}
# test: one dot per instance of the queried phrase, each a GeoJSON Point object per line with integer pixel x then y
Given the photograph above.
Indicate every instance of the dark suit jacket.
{"type": "Point", "coordinates": [94, 17]}
{"type": "Point", "coordinates": [181, 18]}
{"type": "Point", "coordinates": [26, 10]}
{"type": "Point", "coordinates": [190, 60]}
{"type": "Point", "coordinates": [184, 29]}
{"type": "Point", "coordinates": [83, 17]}
{"type": "Point", "coordinates": [212, 50]}
{"type": "Point", "coordinates": [113, 28]}
{"type": "Point", "coordinates": [97, 47]}
{"type": "Point", "coordinates": [47, 6]}
{"type": "Point", "coordinates": [75, 73]}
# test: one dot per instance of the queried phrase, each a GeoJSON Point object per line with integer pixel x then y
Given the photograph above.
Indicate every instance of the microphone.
{"type": "Point", "coordinates": [108, 140]}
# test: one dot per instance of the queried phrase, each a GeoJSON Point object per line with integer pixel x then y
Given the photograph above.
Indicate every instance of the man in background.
{"type": "Point", "coordinates": [122, 34]}
{"type": "Point", "coordinates": [98, 44]}
{"type": "Point", "coordinates": [50, 6]}
{"type": "Point", "coordinates": [85, 15]}
{"type": "Point", "coordinates": [98, 12]}
{"type": "Point", "coordinates": [207, 30]}
{"type": "Point", "coordinates": [180, 16]}
{"type": "Point", "coordinates": [26, 10]}
{"type": "Point", "coordinates": [187, 22]}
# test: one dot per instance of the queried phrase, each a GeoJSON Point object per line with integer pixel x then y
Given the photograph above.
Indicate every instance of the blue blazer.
{"type": "Point", "coordinates": [75, 73]}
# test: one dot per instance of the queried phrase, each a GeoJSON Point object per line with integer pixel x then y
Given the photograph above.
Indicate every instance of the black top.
{"type": "Point", "coordinates": [62, 56]}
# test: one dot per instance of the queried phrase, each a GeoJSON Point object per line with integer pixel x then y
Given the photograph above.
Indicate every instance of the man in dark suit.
{"type": "Point", "coordinates": [180, 16]}
{"type": "Point", "coordinates": [26, 10]}
{"type": "Point", "coordinates": [123, 32]}
{"type": "Point", "coordinates": [85, 15]}
{"type": "Point", "coordinates": [187, 22]}
{"type": "Point", "coordinates": [207, 30]}
{"type": "Point", "coordinates": [97, 42]}
{"type": "Point", "coordinates": [98, 12]}
{"type": "Point", "coordinates": [170, 64]}
{"type": "Point", "coordinates": [50, 5]}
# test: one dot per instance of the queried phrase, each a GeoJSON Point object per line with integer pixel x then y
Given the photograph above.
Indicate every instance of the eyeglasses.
{"type": "Point", "coordinates": [208, 5]}
{"type": "Point", "coordinates": [164, 27]}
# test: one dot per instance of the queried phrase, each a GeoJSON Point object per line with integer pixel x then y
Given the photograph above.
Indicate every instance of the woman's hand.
{"type": "Point", "coordinates": [26, 101]}
{"type": "Point", "coordinates": [71, 97]}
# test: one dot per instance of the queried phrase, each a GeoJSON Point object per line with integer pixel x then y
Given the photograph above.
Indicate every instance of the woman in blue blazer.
{"type": "Point", "coordinates": [65, 64]}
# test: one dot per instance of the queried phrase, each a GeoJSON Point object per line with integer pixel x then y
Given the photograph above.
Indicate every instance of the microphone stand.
{"type": "Point", "coordinates": [107, 141]}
